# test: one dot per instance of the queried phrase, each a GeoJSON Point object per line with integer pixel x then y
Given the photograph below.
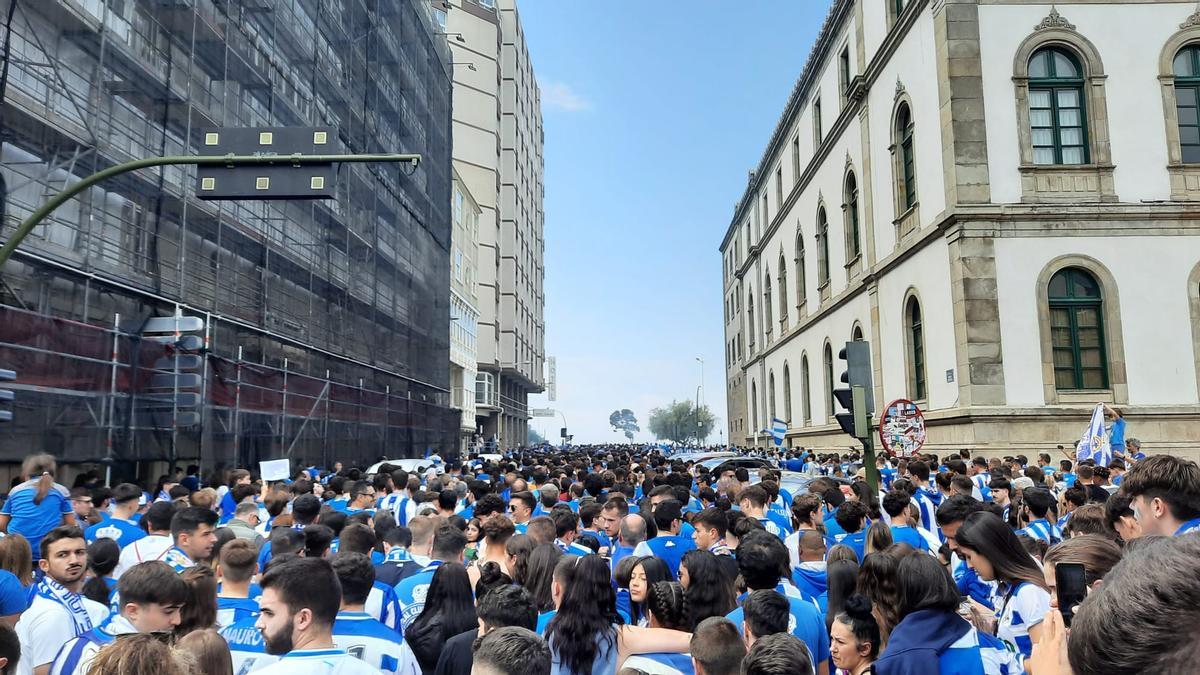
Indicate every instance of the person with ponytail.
{"type": "Point", "coordinates": [38, 505]}
{"type": "Point", "coordinates": [991, 548]}
{"type": "Point", "coordinates": [586, 636]}
{"type": "Point", "coordinates": [854, 638]}
{"type": "Point", "coordinates": [666, 607]}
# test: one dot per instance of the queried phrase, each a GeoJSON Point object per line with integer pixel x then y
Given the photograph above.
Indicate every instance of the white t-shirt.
{"type": "Point", "coordinates": [45, 627]}
{"type": "Point", "coordinates": [151, 547]}
{"type": "Point", "coordinates": [318, 662]}
{"type": "Point", "coordinates": [1026, 608]}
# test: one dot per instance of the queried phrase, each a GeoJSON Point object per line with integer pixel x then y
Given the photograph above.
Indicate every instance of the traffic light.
{"type": "Point", "coordinates": [6, 395]}
{"type": "Point", "coordinates": [856, 397]}
{"type": "Point", "coordinates": [173, 395]}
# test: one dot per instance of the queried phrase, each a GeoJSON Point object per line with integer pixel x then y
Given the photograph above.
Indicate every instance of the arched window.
{"type": "Point", "coordinates": [805, 398]}
{"type": "Point", "coordinates": [801, 283]}
{"type": "Point", "coordinates": [754, 404]}
{"type": "Point", "coordinates": [850, 208]}
{"type": "Point", "coordinates": [1077, 330]}
{"type": "Point", "coordinates": [768, 306]}
{"type": "Point", "coordinates": [783, 293]}
{"type": "Point", "coordinates": [856, 333]}
{"type": "Point", "coordinates": [1186, 68]}
{"type": "Point", "coordinates": [1057, 115]}
{"type": "Point", "coordinates": [787, 395]}
{"type": "Point", "coordinates": [822, 247]}
{"type": "Point", "coordinates": [828, 363]}
{"type": "Point", "coordinates": [906, 169]}
{"type": "Point", "coordinates": [915, 337]}
{"type": "Point", "coordinates": [771, 397]}
{"type": "Point", "coordinates": [751, 329]}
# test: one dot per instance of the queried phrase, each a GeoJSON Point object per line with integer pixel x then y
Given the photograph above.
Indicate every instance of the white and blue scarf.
{"type": "Point", "coordinates": [70, 601]}
{"type": "Point", "coordinates": [398, 554]}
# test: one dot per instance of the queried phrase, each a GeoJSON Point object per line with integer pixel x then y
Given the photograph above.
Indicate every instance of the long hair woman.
{"type": "Point", "coordinates": [854, 638]}
{"type": "Point", "coordinates": [209, 650]}
{"type": "Point", "coordinates": [878, 582]}
{"type": "Point", "coordinates": [667, 606]}
{"type": "Point", "coordinates": [879, 537]}
{"type": "Point", "coordinates": [200, 610]}
{"type": "Point", "coordinates": [1021, 599]}
{"type": "Point", "coordinates": [647, 571]}
{"type": "Point", "coordinates": [517, 552]}
{"type": "Point", "coordinates": [38, 505]}
{"type": "Point", "coordinates": [15, 557]}
{"type": "Point", "coordinates": [539, 578]}
{"type": "Point", "coordinates": [495, 531]}
{"type": "Point", "coordinates": [586, 636]}
{"type": "Point", "coordinates": [708, 588]}
{"type": "Point", "coordinates": [841, 577]}
{"type": "Point", "coordinates": [1097, 553]}
{"type": "Point", "coordinates": [449, 610]}
{"type": "Point", "coordinates": [930, 625]}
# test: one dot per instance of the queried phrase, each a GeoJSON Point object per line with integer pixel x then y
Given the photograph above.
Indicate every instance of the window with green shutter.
{"type": "Point", "coordinates": [1077, 330]}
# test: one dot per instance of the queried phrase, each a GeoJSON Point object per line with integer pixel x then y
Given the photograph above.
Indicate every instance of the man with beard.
{"type": "Point", "coordinates": [58, 612]}
{"type": "Point", "coordinates": [300, 601]}
{"type": "Point", "coordinates": [151, 596]}
{"type": "Point", "coordinates": [194, 533]}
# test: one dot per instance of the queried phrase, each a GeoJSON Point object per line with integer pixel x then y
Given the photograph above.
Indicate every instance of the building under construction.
{"type": "Point", "coordinates": [325, 323]}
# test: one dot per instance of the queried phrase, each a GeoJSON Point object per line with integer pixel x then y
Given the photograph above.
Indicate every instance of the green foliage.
{"type": "Point", "coordinates": [682, 422]}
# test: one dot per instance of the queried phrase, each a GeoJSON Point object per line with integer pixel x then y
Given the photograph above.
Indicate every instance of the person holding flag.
{"type": "Point", "coordinates": [1094, 444]}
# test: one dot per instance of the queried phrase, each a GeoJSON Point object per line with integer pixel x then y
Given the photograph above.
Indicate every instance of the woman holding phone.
{"type": "Point", "coordinates": [992, 549]}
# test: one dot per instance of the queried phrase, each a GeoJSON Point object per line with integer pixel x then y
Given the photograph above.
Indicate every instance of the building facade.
{"type": "Point", "coordinates": [464, 309]}
{"type": "Point", "coordinates": [1007, 214]}
{"type": "Point", "coordinates": [498, 153]}
{"type": "Point", "coordinates": [326, 322]}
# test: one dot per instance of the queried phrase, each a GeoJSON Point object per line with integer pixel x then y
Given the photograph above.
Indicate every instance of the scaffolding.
{"type": "Point", "coordinates": [349, 297]}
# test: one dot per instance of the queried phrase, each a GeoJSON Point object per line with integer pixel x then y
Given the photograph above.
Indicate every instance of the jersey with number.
{"type": "Point", "coordinates": [367, 640]}
{"type": "Point", "coordinates": [246, 647]}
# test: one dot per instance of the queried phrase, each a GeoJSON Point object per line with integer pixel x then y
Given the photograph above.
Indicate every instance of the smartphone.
{"type": "Point", "coordinates": [1071, 587]}
{"type": "Point", "coordinates": [964, 606]}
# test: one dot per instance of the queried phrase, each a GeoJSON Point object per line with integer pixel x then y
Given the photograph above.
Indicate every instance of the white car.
{"type": "Point", "coordinates": [417, 465]}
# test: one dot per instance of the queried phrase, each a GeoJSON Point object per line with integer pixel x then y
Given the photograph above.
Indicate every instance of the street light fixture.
{"type": "Point", "coordinates": [457, 36]}
{"type": "Point", "coordinates": [469, 64]}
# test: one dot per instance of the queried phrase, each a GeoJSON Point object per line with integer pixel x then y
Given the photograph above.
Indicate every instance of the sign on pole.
{"type": "Point", "coordinates": [542, 412]}
{"type": "Point", "coordinates": [552, 380]}
{"type": "Point", "coordinates": [902, 428]}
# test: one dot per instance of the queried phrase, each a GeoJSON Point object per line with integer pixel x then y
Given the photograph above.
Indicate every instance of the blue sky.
{"type": "Point", "coordinates": [653, 115]}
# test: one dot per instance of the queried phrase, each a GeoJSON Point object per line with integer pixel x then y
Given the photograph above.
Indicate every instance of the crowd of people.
{"type": "Point", "coordinates": [604, 560]}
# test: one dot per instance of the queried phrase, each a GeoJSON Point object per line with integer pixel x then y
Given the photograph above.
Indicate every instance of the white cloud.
{"type": "Point", "coordinates": [560, 96]}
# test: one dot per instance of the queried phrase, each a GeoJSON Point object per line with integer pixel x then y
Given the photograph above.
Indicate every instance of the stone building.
{"type": "Point", "coordinates": [1000, 196]}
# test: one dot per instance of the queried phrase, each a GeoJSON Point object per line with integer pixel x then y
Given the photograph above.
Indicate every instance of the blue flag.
{"type": "Point", "coordinates": [778, 430]}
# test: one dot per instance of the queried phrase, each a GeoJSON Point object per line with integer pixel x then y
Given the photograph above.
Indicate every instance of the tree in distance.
{"type": "Point", "coordinates": [624, 420]}
{"type": "Point", "coordinates": [682, 422]}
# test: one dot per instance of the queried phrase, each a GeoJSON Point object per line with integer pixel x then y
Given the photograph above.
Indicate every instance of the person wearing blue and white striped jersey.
{"type": "Point", "coordinates": [1038, 501]}
{"type": "Point", "coordinates": [1021, 598]}
{"type": "Point", "coordinates": [931, 637]}
{"type": "Point", "coordinates": [151, 596]}
{"type": "Point", "coordinates": [382, 603]}
{"type": "Point", "coordinates": [448, 545]}
{"type": "Point", "coordinates": [356, 631]}
{"type": "Point", "coordinates": [300, 602]}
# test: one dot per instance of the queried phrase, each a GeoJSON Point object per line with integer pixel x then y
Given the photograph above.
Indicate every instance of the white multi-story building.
{"type": "Point", "coordinates": [498, 155]}
{"type": "Point", "coordinates": [1001, 196]}
{"type": "Point", "coordinates": [464, 308]}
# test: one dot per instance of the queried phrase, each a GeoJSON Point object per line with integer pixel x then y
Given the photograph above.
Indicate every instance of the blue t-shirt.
{"type": "Point", "coordinates": [1116, 435]}
{"type": "Point", "coordinates": [233, 610]}
{"type": "Point", "coordinates": [33, 520]}
{"type": "Point", "coordinates": [805, 623]}
{"type": "Point", "coordinates": [14, 598]}
{"type": "Point", "coordinates": [124, 532]}
{"type": "Point", "coordinates": [909, 535]}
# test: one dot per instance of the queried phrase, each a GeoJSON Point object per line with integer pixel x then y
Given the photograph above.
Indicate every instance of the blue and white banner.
{"type": "Point", "coordinates": [778, 430]}
{"type": "Point", "coordinates": [1094, 443]}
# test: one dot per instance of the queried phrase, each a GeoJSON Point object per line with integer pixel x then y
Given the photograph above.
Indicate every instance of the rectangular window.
{"type": "Point", "coordinates": [817, 121]}
{"type": "Point", "coordinates": [1056, 125]}
{"type": "Point", "coordinates": [458, 264]}
{"type": "Point", "coordinates": [439, 16]}
{"type": "Point", "coordinates": [1187, 105]}
{"type": "Point", "coordinates": [766, 219]}
{"type": "Point", "coordinates": [795, 160]}
{"type": "Point", "coordinates": [779, 187]}
{"type": "Point", "coordinates": [844, 72]}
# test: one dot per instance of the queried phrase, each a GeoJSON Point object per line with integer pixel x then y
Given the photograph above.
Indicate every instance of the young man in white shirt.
{"type": "Point", "coordinates": [156, 542]}
{"type": "Point", "coordinates": [58, 612]}
{"type": "Point", "coordinates": [151, 596]}
{"type": "Point", "coordinates": [300, 601]}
